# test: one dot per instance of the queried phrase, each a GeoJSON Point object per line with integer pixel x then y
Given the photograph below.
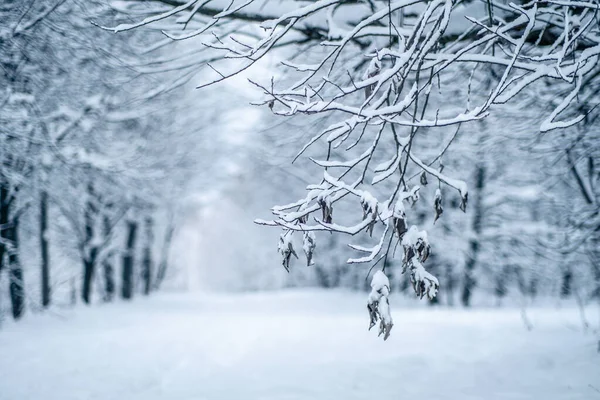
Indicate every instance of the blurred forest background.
{"type": "Point", "coordinates": [444, 148]}
{"type": "Point", "coordinates": [118, 178]}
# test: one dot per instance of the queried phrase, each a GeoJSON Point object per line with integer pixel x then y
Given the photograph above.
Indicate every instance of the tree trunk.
{"type": "Point", "coordinates": [90, 249]}
{"type": "Point", "coordinates": [88, 276]}
{"type": "Point", "coordinates": [164, 259]}
{"type": "Point", "coordinates": [109, 278]}
{"type": "Point", "coordinates": [44, 248]}
{"type": "Point", "coordinates": [4, 208]}
{"type": "Point", "coordinates": [73, 291]}
{"type": "Point", "coordinates": [474, 244]}
{"type": "Point", "coordinates": [16, 284]}
{"type": "Point", "coordinates": [107, 264]}
{"type": "Point", "coordinates": [595, 264]}
{"type": "Point", "coordinates": [566, 283]}
{"type": "Point", "coordinates": [322, 277]}
{"type": "Point", "coordinates": [147, 259]}
{"type": "Point", "coordinates": [9, 232]}
{"type": "Point", "coordinates": [127, 288]}
{"type": "Point", "coordinates": [501, 284]}
{"type": "Point", "coordinates": [449, 284]}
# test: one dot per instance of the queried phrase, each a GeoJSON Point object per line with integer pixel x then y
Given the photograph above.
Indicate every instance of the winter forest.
{"type": "Point", "coordinates": [299, 199]}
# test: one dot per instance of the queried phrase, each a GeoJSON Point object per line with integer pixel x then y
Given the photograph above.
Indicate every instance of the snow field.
{"type": "Point", "coordinates": [294, 345]}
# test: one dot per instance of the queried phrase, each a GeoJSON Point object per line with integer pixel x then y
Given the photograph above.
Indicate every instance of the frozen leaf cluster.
{"type": "Point", "coordinates": [416, 251]}
{"type": "Point", "coordinates": [378, 304]}
{"type": "Point", "coordinates": [286, 249]}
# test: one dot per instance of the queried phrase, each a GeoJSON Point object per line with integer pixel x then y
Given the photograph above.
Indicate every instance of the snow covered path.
{"type": "Point", "coordinates": [294, 345]}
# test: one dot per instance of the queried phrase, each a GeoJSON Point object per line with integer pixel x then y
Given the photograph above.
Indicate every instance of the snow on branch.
{"type": "Point", "coordinates": [371, 70]}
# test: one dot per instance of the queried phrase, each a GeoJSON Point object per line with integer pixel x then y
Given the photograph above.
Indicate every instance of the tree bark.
{"type": "Point", "coordinates": [3, 221]}
{"type": "Point", "coordinates": [594, 257]}
{"type": "Point", "coordinates": [9, 251]}
{"type": "Point", "coordinates": [450, 284]}
{"type": "Point", "coordinates": [147, 260]}
{"type": "Point", "coordinates": [44, 249]}
{"type": "Point", "coordinates": [88, 276]}
{"type": "Point", "coordinates": [16, 284]}
{"type": "Point", "coordinates": [596, 270]}
{"type": "Point", "coordinates": [107, 264]}
{"type": "Point", "coordinates": [164, 259]}
{"type": "Point", "coordinates": [474, 243]}
{"type": "Point", "coordinates": [566, 284]}
{"type": "Point", "coordinates": [90, 250]}
{"type": "Point", "coordinates": [128, 258]}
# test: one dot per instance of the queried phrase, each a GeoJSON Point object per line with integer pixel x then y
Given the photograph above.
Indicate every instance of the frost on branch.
{"type": "Point", "coordinates": [379, 305]}
{"type": "Point", "coordinates": [416, 251]}
{"type": "Point", "coordinates": [286, 249]}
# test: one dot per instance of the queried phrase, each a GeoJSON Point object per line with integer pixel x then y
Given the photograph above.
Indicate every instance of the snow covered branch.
{"type": "Point", "coordinates": [386, 73]}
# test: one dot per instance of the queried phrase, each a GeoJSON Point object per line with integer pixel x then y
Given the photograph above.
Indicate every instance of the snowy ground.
{"type": "Point", "coordinates": [294, 345]}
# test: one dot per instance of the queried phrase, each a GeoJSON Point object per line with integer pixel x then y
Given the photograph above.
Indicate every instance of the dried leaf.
{"type": "Point", "coordinates": [372, 314]}
{"type": "Point", "coordinates": [463, 202]}
{"type": "Point", "coordinates": [423, 250]}
{"type": "Point", "coordinates": [378, 304]}
{"type": "Point", "coordinates": [308, 245]}
{"type": "Point", "coordinates": [423, 178]}
{"type": "Point", "coordinates": [437, 205]}
{"type": "Point", "coordinates": [371, 226]}
{"type": "Point", "coordinates": [399, 226]}
{"type": "Point", "coordinates": [326, 209]}
{"type": "Point", "coordinates": [286, 249]}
